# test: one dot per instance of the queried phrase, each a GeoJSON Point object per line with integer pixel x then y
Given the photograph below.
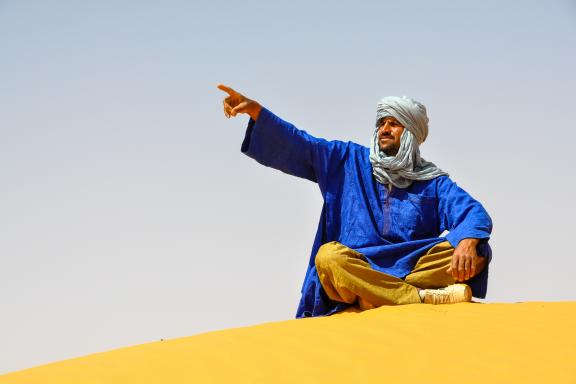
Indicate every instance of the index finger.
{"type": "Point", "coordinates": [226, 89]}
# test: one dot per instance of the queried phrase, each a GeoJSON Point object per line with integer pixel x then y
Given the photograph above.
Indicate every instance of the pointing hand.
{"type": "Point", "coordinates": [237, 103]}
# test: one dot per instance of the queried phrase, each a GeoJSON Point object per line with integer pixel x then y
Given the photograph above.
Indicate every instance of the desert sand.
{"type": "Point", "coordinates": [531, 342]}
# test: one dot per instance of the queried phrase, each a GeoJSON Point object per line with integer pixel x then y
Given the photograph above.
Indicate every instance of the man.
{"type": "Point", "coordinates": [378, 241]}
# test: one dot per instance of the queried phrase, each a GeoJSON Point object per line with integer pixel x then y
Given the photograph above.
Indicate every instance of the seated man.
{"type": "Point", "coordinates": [385, 207]}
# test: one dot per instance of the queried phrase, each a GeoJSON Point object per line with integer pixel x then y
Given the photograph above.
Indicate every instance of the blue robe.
{"type": "Point", "coordinates": [392, 229]}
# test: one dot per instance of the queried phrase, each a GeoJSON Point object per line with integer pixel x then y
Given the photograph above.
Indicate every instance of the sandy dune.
{"type": "Point", "coordinates": [531, 342]}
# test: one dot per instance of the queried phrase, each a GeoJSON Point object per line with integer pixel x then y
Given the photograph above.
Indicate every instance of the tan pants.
{"type": "Point", "coordinates": [347, 277]}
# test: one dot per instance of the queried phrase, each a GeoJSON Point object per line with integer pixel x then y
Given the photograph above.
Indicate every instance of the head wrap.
{"type": "Point", "coordinates": [407, 165]}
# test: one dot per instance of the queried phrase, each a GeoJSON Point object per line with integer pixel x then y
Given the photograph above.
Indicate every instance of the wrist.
{"type": "Point", "coordinates": [254, 111]}
{"type": "Point", "coordinates": [469, 242]}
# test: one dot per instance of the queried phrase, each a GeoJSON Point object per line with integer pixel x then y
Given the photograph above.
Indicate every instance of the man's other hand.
{"type": "Point", "coordinates": [237, 103]}
{"type": "Point", "coordinates": [465, 261]}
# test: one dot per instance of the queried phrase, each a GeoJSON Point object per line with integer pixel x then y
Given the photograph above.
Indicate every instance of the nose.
{"type": "Point", "coordinates": [385, 128]}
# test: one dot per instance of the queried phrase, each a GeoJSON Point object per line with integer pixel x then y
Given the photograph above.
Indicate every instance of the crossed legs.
{"type": "Point", "coordinates": [347, 277]}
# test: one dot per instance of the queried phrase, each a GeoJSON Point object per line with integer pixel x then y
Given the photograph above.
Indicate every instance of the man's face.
{"type": "Point", "coordinates": [389, 133]}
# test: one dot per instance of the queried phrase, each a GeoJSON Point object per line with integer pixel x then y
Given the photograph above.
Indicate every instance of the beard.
{"type": "Point", "coordinates": [390, 149]}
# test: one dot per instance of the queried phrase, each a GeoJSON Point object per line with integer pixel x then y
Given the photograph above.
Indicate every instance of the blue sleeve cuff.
{"type": "Point", "coordinates": [247, 136]}
{"type": "Point", "coordinates": [252, 125]}
{"type": "Point", "coordinates": [455, 236]}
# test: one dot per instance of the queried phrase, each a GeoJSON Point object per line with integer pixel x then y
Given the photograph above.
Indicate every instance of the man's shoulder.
{"type": "Point", "coordinates": [350, 149]}
{"type": "Point", "coordinates": [360, 149]}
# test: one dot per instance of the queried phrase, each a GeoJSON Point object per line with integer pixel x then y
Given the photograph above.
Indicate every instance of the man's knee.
{"type": "Point", "coordinates": [330, 255]}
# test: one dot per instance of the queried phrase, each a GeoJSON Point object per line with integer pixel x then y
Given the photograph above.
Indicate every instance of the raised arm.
{"type": "Point", "coordinates": [276, 143]}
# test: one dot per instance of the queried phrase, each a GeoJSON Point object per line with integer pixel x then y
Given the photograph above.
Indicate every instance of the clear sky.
{"type": "Point", "coordinates": [128, 213]}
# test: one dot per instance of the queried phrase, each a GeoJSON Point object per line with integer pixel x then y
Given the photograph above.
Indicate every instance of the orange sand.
{"type": "Point", "coordinates": [461, 343]}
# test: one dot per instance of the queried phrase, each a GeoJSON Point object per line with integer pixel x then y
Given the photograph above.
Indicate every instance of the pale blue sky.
{"type": "Point", "coordinates": [128, 213]}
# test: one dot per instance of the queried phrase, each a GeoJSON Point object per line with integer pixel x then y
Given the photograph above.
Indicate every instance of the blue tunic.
{"type": "Point", "coordinates": [392, 229]}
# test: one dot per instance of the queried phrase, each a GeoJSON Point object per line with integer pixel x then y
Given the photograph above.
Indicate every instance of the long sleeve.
{"type": "Point", "coordinates": [460, 214]}
{"type": "Point", "coordinates": [276, 143]}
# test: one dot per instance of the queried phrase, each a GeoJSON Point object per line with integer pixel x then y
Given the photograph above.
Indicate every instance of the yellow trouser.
{"type": "Point", "coordinates": [347, 277]}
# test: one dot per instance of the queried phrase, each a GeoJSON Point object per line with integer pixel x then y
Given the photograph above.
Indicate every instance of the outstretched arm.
{"type": "Point", "coordinates": [277, 143]}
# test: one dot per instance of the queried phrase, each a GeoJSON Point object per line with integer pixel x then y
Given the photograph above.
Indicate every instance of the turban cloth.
{"type": "Point", "coordinates": [407, 165]}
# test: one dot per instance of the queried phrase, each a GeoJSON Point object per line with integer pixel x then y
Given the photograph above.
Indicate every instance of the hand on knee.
{"type": "Point", "coordinates": [466, 263]}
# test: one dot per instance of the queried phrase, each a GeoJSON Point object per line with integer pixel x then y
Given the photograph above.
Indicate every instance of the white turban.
{"type": "Point", "coordinates": [407, 165]}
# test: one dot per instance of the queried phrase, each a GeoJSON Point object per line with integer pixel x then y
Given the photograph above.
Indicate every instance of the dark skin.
{"type": "Point", "coordinates": [237, 103]}
{"type": "Point", "coordinates": [389, 134]}
{"type": "Point", "coordinates": [465, 261]}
